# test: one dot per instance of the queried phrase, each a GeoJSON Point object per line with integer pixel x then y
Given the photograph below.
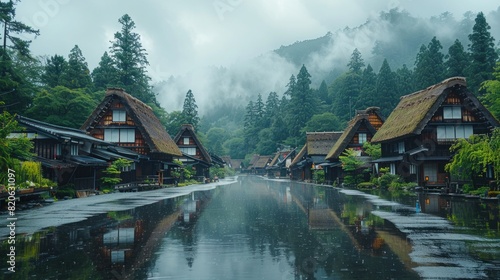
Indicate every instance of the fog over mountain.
{"type": "Point", "coordinates": [231, 49]}
{"type": "Point", "coordinates": [394, 34]}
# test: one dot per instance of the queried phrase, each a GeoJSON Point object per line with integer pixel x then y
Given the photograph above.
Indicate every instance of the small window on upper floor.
{"type": "Point", "coordinates": [119, 116]}
{"type": "Point", "coordinates": [361, 138]}
{"type": "Point", "coordinates": [186, 141]}
{"type": "Point", "coordinates": [454, 112]}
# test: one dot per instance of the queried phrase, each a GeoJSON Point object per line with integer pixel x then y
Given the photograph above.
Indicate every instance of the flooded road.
{"type": "Point", "coordinates": [254, 228]}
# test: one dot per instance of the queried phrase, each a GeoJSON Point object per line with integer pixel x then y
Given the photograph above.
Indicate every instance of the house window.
{"type": "Point", "coordinates": [454, 132]}
{"type": "Point", "coordinates": [392, 168]}
{"type": "Point", "coordinates": [413, 169]}
{"type": "Point", "coordinates": [401, 147]}
{"type": "Point", "coordinates": [128, 168]}
{"type": "Point", "coordinates": [116, 135]}
{"type": "Point", "coordinates": [119, 116]}
{"type": "Point", "coordinates": [361, 138]}
{"type": "Point", "coordinates": [74, 150]}
{"type": "Point", "coordinates": [454, 112]}
{"type": "Point", "coordinates": [188, 151]}
{"type": "Point", "coordinates": [186, 141]}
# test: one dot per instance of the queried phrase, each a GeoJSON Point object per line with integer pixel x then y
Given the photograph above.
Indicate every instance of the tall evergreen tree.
{"type": "Point", "coordinates": [323, 93]}
{"type": "Point", "coordinates": [77, 74]}
{"type": "Point", "coordinates": [54, 71]}
{"type": "Point", "coordinates": [130, 60]}
{"type": "Point", "coordinates": [483, 54]}
{"type": "Point", "coordinates": [302, 103]}
{"type": "Point", "coordinates": [457, 60]}
{"type": "Point", "coordinates": [385, 89]}
{"type": "Point", "coordinates": [356, 63]}
{"type": "Point", "coordinates": [13, 28]}
{"type": "Point", "coordinates": [15, 88]}
{"type": "Point", "coordinates": [105, 74]}
{"type": "Point", "coordinates": [190, 109]}
{"type": "Point", "coordinates": [271, 108]}
{"type": "Point", "coordinates": [259, 110]}
{"type": "Point", "coordinates": [429, 64]}
{"type": "Point", "coordinates": [404, 78]}
{"type": "Point", "coordinates": [367, 94]}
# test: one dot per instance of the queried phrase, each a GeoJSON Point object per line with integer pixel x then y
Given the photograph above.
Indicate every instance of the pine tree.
{"type": "Point", "coordinates": [130, 60]}
{"type": "Point", "coordinates": [385, 89]}
{"type": "Point", "coordinates": [404, 78]}
{"type": "Point", "coordinates": [367, 96]}
{"type": "Point", "coordinates": [483, 55]}
{"type": "Point", "coordinates": [429, 65]}
{"type": "Point", "coordinates": [105, 74]}
{"type": "Point", "coordinates": [271, 109]}
{"type": "Point", "coordinates": [13, 27]}
{"type": "Point", "coordinates": [77, 74]}
{"type": "Point", "coordinates": [457, 60]}
{"type": "Point", "coordinates": [356, 63]}
{"type": "Point", "coordinates": [54, 71]}
{"type": "Point", "coordinates": [323, 93]}
{"type": "Point", "coordinates": [15, 88]}
{"type": "Point", "coordinates": [190, 109]}
{"type": "Point", "coordinates": [302, 103]}
{"type": "Point", "coordinates": [259, 111]}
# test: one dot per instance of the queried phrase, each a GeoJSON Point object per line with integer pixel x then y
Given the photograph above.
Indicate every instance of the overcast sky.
{"type": "Point", "coordinates": [182, 35]}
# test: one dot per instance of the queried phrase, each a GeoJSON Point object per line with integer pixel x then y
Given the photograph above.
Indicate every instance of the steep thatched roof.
{"type": "Point", "coordinates": [189, 129]}
{"type": "Point", "coordinates": [262, 162]}
{"type": "Point", "coordinates": [320, 143]}
{"type": "Point", "coordinates": [361, 118]}
{"type": "Point", "coordinates": [415, 110]}
{"type": "Point", "coordinates": [154, 133]}
{"type": "Point", "coordinates": [300, 155]}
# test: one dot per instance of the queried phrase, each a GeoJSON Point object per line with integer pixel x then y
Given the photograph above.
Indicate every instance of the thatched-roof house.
{"type": "Point", "coordinates": [312, 154]}
{"type": "Point", "coordinates": [359, 130]}
{"type": "Point", "coordinates": [416, 137]}
{"type": "Point", "coordinates": [122, 119]}
{"type": "Point", "coordinates": [194, 153]}
{"type": "Point", "coordinates": [259, 164]}
{"type": "Point", "coordinates": [279, 165]}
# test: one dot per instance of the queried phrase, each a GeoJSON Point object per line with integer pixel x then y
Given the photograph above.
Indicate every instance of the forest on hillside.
{"type": "Point", "coordinates": [62, 90]}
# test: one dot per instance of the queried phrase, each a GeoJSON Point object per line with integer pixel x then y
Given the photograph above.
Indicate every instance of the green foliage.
{"type": "Point", "coordinates": [31, 171]}
{"type": "Point", "coordinates": [190, 110]}
{"type": "Point", "coordinates": [113, 172]}
{"type": "Point", "coordinates": [387, 180]}
{"type": "Point", "coordinates": [62, 106]}
{"type": "Point", "coordinates": [11, 148]}
{"type": "Point", "coordinates": [319, 176]}
{"type": "Point", "coordinates": [474, 155]}
{"type": "Point", "coordinates": [429, 65]}
{"type": "Point", "coordinates": [373, 150]}
{"type": "Point", "coordinates": [350, 160]}
{"type": "Point", "coordinates": [491, 99]}
{"type": "Point", "coordinates": [482, 53]}
{"type": "Point", "coordinates": [323, 122]}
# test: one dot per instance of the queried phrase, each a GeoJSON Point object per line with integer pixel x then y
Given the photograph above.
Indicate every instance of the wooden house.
{"type": "Point", "coordinates": [359, 130]}
{"type": "Point", "coordinates": [193, 152]}
{"type": "Point", "coordinates": [128, 122]}
{"type": "Point", "coordinates": [279, 165]}
{"type": "Point", "coordinates": [417, 136]}
{"type": "Point", "coordinates": [312, 155]}
{"type": "Point", "coordinates": [70, 156]}
{"type": "Point", "coordinates": [260, 165]}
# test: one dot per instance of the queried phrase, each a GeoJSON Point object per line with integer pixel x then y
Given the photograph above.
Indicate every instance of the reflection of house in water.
{"type": "Point", "coordinates": [119, 242]}
{"type": "Point", "coordinates": [330, 210]}
{"type": "Point", "coordinates": [192, 207]}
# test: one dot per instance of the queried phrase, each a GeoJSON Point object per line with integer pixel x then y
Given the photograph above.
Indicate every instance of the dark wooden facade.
{"type": "Point", "coordinates": [359, 131]}
{"type": "Point", "coordinates": [66, 154]}
{"type": "Point", "coordinates": [194, 154]}
{"type": "Point", "coordinates": [128, 122]}
{"type": "Point", "coordinates": [417, 136]}
{"type": "Point", "coordinates": [312, 155]}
